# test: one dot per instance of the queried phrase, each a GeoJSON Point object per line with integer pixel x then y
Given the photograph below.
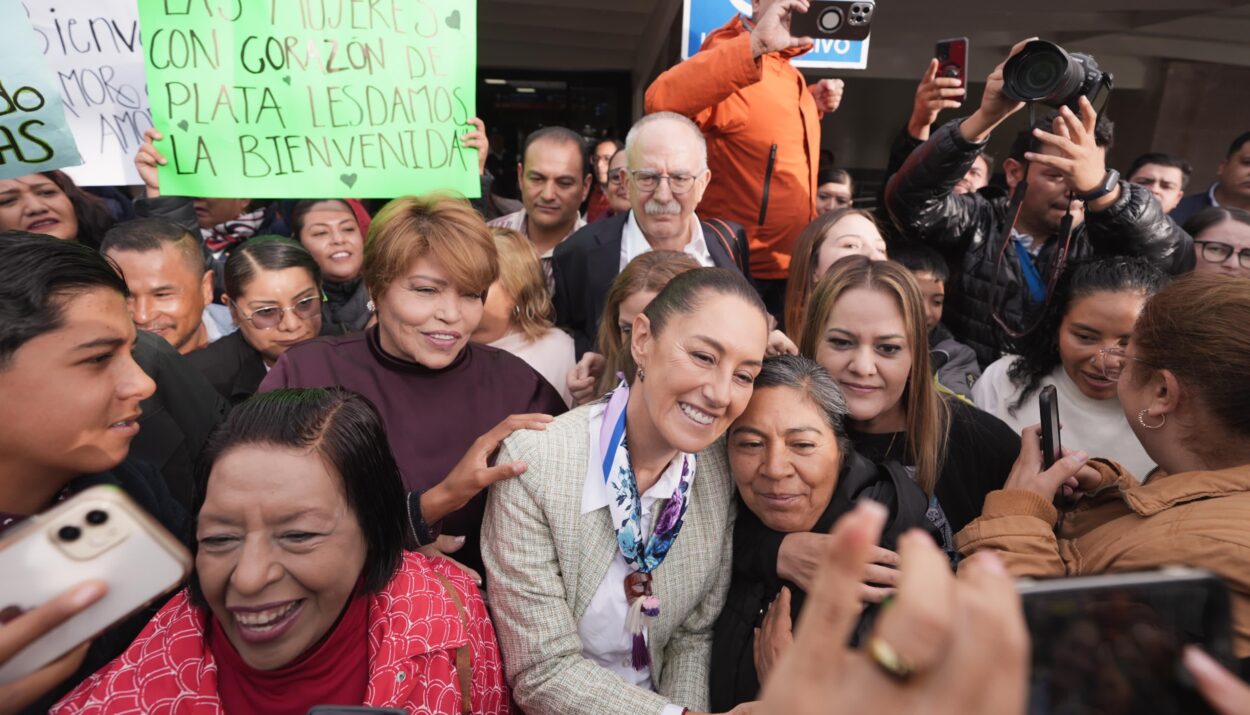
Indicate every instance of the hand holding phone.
{"type": "Point", "coordinates": [835, 20]}
{"type": "Point", "coordinates": [1052, 448]}
{"type": "Point", "coordinates": [97, 535]}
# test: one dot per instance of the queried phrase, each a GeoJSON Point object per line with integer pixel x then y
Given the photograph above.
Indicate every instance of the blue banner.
{"type": "Point", "coordinates": [701, 17]}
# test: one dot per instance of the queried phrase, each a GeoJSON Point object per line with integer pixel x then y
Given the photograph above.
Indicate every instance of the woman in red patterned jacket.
{"type": "Point", "coordinates": [303, 594]}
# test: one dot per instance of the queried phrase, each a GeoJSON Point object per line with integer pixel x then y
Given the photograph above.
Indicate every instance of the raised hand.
{"type": "Point", "coordinates": [932, 96]}
{"type": "Point", "coordinates": [1079, 157]}
{"type": "Point", "coordinates": [146, 161]}
{"type": "Point", "coordinates": [772, 28]}
{"type": "Point", "coordinates": [477, 139]}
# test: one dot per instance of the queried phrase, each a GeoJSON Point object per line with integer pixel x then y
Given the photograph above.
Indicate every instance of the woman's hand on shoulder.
{"type": "Point", "coordinates": [1072, 473]}
{"type": "Point", "coordinates": [474, 472]}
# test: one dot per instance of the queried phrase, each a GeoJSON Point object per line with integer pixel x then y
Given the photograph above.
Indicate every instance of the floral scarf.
{"type": "Point", "coordinates": [625, 507]}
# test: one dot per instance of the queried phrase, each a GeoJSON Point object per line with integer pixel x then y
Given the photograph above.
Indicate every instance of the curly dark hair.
{"type": "Point", "coordinates": [1039, 350]}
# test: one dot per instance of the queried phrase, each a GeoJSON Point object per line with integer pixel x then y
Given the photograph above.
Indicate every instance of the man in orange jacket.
{"type": "Point", "coordinates": [762, 123]}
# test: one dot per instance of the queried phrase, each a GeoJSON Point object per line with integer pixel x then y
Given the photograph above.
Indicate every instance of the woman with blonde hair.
{"type": "Point", "coordinates": [866, 326]}
{"type": "Point", "coordinates": [832, 236]}
{"type": "Point", "coordinates": [429, 262]}
{"type": "Point", "coordinates": [518, 315]}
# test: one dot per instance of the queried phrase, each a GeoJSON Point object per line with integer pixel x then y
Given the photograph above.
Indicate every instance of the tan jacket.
{"type": "Point", "coordinates": [1198, 519]}
{"type": "Point", "coordinates": [545, 560]}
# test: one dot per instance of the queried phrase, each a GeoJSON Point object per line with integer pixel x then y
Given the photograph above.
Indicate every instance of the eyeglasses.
{"type": "Point", "coordinates": [271, 316]}
{"type": "Point", "coordinates": [1217, 252]}
{"type": "Point", "coordinates": [649, 181]}
{"type": "Point", "coordinates": [1110, 362]}
{"type": "Point", "coordinates": [616, 177]}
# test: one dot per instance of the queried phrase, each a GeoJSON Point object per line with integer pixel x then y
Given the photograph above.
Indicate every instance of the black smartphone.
{"type": "Point", "coordinates": [1112, 644]}
{"type": "Point", "coordinates": [353, 710]}
{"type": "Point", "coordinates": [952, 57]}
{"type": "Point", "coordinates": [834, 20]}
{"type": "Point", "coordinates": [1052, 448]}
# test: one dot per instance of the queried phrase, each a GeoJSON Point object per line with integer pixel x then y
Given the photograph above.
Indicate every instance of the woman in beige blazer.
{"type": "Point", "coordinates": [609, 558]}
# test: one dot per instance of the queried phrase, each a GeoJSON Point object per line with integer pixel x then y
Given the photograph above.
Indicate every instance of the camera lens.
{"type": "Point", "coordinates": [1042, 72]}
{"type": "Point", "coordinates": [95, 517]}
{"type": "Point", "coordinates": [830, 20]}
{"type": "Point", "coordinates": [69, 533]}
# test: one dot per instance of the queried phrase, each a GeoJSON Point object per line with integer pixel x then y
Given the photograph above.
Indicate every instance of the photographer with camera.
{"type": "Point", "coordinates": [1064, 203]}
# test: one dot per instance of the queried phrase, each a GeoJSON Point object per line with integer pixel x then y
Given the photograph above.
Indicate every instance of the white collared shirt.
{"type": "Point", "coordinates": [1211, 194]}
{"type": "Point", "coordinates": [634, 243]}
{"type": "Point", "coordinates": [606, 641]}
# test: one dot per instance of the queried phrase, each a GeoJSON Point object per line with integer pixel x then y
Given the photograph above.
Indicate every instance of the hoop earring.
{"type": "Point", "coordinates": [1141, 420]}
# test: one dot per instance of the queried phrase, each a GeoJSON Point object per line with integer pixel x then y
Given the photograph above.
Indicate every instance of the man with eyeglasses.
{"type": "Point", "coordinates": [171, 286]}
{"type": "Point", "coordinates": [666, 174]}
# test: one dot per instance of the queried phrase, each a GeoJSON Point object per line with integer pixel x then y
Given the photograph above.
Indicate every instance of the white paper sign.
{"type": "Point", "coordinates": [92, 47]}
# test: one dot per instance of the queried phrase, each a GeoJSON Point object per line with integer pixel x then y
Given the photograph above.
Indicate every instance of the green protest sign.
{"type": "Point", "coordinates": [308, 98]}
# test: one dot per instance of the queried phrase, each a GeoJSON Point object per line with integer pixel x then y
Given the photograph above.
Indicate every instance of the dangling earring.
{"type": "Point", "coordinates": [1141, 419]}
{"type": "Point", "coordinates": [371, 307]}
{"type": "Point", "coordinates": [641, 375]}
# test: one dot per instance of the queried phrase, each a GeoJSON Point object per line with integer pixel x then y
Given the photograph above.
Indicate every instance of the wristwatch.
{"type": "Point", "coordinates": [1108, 185]}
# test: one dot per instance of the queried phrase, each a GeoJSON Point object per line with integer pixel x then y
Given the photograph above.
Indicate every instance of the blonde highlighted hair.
{"type": "Point", "coordinates": [521, 274]}
{"type": "Point", "coordinates": [927, 414]}
{"type": "Point", "coordinates": [441, 226]}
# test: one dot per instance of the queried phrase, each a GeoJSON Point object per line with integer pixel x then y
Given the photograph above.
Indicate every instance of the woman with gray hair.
{"type": "Point", "coordinates": [796, 474]}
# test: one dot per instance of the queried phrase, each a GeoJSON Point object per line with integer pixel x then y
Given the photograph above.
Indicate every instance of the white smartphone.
{"type": "Point", "coordinates": [101, 534]}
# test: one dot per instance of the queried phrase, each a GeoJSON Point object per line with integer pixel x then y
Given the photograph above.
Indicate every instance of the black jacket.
{"type": "Point", "coordinates": [235, 368]}
{"type": "Point", "coordinates": [177, 418]}
{"type": "Point", "coordinates": [755, 583]}
{"type": "Point", "coordinates": [587, 262]}
{"type": "Point", "coordinates": [969, 230]}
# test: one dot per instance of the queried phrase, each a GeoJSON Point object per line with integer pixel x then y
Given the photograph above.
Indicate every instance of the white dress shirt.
{"type": "Point", "coordinates": [634, 243]}
{"type": "Point", "coordinates": [606, 641]}
{"type": "Point", "coordinates": [519, 221]}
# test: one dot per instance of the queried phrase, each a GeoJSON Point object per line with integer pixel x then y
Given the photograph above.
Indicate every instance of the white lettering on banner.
{"type": "Point", "coordinates": [93, 49]}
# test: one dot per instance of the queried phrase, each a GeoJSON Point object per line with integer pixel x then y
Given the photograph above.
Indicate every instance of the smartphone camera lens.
{"type": "Point", "coordinates": [96, 517]}
{"type": "Point", "coordinates": [69, 533]}
{"type": "Point", "coordinates": [830, 20]}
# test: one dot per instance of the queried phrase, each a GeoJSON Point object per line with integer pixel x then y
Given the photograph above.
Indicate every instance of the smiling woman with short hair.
{"type": "Point", "coordinates": [429, 263]}
{"type": "Point", "coordinates": [302, 593]}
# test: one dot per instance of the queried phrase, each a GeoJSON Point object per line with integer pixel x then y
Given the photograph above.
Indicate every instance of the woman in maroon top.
{"type": "Point", "coordinates": [428, 264]}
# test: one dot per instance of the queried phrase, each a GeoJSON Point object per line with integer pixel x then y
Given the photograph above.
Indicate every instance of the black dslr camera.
{"type": "Point", "coordinates": [1044, 72]}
